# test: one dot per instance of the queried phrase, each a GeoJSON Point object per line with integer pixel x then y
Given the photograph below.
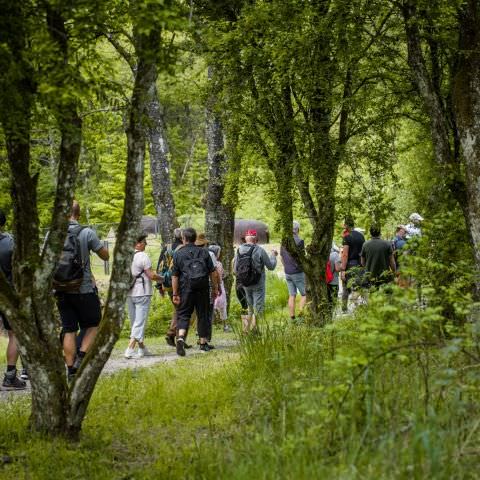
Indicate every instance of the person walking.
{"type": "Point", "coordinates": [352, 243]}
{"type": "Point", "coordinates": [220, 304]}
{"type": "Point", "coordinates": [139, 298]}
{"type": "Point", "coordinates": [10, 379]}
{"type": "Point", "coordinates": [80, 308]}
{"type": "Point", "coordinates": [165, 261]}
{"type": "Point", "coordinates": [192, 269]}
{"type": "Point", "coordinates": [335, 266]}
{"type": "Point", "coordinates": [249, 267]}
{"type": "Point", "coordinates": [377, 258]}
{"type": "Point", "coordinates": [294, 274]}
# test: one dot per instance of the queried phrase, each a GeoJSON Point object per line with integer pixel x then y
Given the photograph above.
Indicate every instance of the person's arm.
{"type": "Point", "coordinates": [362, 257]}
{"type": "Point", "coordinates": [152, 275]}
{"type": "Point", "coordinates": [175, 290]}
{"type": "Point", "coordinates": [344, 257]}
{"type": "Point", "coordinates": [103, 254]}
{"type": "Point", "coordinates": [270, 261]}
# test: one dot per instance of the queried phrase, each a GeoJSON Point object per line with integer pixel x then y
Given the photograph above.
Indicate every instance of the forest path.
{"type": "Point", "coordinates": [118, 362]}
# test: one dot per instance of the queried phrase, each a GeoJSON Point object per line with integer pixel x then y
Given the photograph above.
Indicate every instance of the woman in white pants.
{"type": "Point", "coordinates": [139, 297]}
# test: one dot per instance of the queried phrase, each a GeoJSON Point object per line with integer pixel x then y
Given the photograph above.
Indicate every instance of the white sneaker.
{"type": "Point", "coordinates": [130, 353]}
{"type": "Point", "coordinates": [143, 352]}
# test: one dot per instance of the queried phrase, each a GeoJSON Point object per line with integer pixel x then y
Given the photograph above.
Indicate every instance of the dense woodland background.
{"type": "Point", "coordinates": [201, 111]}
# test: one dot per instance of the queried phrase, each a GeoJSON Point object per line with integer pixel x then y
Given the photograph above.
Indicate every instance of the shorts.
{"type": "Point", "coordinates": [79, 310]}
{"type": "Point", "coordinates": [295, 281]}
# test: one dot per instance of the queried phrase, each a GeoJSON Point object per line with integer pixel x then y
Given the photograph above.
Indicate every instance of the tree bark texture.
{"type": "Point", "coordinates": [160, 168]}
{"type": "Point", "coordinates": [219, 211]}
{"type": "Point", "coordinates": [56, 408]}
{"type": "Point", "coordinates": [146, 48]}
{"type": "Point", "coordinates": [466, 95]}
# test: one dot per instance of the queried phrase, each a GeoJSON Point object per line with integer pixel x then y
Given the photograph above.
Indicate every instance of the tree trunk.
{"type": "Point", "coordinates": [466, 95]}
{"type": "Point", "coordinates": [160, 168]}
{"type": "Point", "coordinates": [147, 46]}
{"type": "Point", "coordinates": [219, 211]}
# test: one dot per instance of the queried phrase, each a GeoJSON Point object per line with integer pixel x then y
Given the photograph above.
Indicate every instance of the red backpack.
{"type": "Point", "coordinates": [328, 272]}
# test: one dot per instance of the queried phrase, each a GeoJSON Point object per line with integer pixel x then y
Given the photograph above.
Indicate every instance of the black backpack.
{"type": "Point", "coordinates": [69, 273]}
{"type": "Point", "coordinates": [244, 269]}
{"type": "Point", "coordinates": [195, 270]}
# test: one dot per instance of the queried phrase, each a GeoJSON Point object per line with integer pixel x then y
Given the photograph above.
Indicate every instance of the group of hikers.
{"type": "Point", "coordinates": [190, 272]}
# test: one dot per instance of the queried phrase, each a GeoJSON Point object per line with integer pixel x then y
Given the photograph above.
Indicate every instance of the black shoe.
{"type": "Point", "coordinates": [13, 383]}
{"type": "Point", "coordinates": [210, 347]}
{"type": "Point", "coordinates": [204, 347]}
{"type": "Point", "coordinates": [24, 374]}
{"type": "Point", "coordinates": [170, 339]}
{"type": "Point", "coordinates": [181, 347]}
{"type": "Point", "coordinates": [77, 362]}
{"type": "Point", "coordinates": [187, 346]}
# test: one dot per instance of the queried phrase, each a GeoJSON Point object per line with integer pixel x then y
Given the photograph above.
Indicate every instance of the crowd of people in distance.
{"type": "Point", "coordinates": [189, 271]}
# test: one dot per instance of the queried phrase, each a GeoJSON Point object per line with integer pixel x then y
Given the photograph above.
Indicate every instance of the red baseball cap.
{"type": "Point", "coordinates": [251, 233]}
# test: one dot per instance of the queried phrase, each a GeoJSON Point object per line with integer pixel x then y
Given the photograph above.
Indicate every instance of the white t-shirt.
{"type": "Point", "coordinates": [143, 285]}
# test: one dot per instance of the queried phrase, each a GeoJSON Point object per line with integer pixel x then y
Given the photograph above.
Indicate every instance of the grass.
{"type": "Point", "coordinates": [375, 395]}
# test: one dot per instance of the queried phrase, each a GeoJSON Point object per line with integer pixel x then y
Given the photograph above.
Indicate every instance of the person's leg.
{"type": "Point", "coordinates": [143, 308]}
{"type": "Point", "coordinates": [202, 308]}
{"type": "Point", "coordinates": [12, 349]}
{"type": "Point", "coordinates": [258, 304]}
{"type": "Point", "coordinates": [345, 293]}
{"type": "Point", "coordinates": [10, 379]}
{"type": "Point", "coordinates": [69, 317]}
{"type": "Point", "coordinates": [90, 314]}
{"type": "Point", "coordinates": [292, 294]}
{"type": "Point", "coordinates": [250, 320]}
{"type": "Point", "coordinates": [132, 312]}
{"type": "Point", "coordinates": [184, 312]}
{"type": "Point", "coordinates": [300, 286]}
{"type": "Point", "coordinates": [239, 290]}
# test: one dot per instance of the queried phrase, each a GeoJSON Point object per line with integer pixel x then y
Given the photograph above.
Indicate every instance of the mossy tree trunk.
{"type": "Point", "coordinates": [461, 171]}
{"type": "Point", "coordinates": [219, 209]}
{"type": "Point", "coordinates": [58, 410]}
{"type": "Point", "coordinates": [466, 95]}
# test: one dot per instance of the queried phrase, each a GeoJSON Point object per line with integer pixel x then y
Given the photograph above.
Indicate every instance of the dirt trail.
{"type": "Point", "coordinates": [118, 362]}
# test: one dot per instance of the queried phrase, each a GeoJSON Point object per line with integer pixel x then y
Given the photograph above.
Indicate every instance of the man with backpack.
{"type": "Point", "coordinates": [191, 271]}
{"type": "Point", "coordinates": [249, 267]}
{"type": "Point", "coordinates": [351, 275]}
{"type": "Point", "coordinates": [76, 293]}
{"type": "Point", "coordinates": [164, 267]}
{"type": "Point", "coordinates": [294, 274]}
{"type": "Point", "coordinates": [139, 297]}
{"type": "Point", "coordinates": [10, 380]}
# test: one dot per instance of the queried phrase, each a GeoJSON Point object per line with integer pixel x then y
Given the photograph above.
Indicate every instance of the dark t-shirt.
{"type": "Point", "coordinates": [376, 253]}
{"type": "Point", "coordinates": [6, 252]}
{"type": "Point", "coordinates": [289, 264]}
{"type": "Point", "coordinates": [179, 263]}
{"type": "Point", "coordinates": [355, 241]}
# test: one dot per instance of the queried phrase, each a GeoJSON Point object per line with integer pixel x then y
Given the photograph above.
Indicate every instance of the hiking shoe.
{"type": "Point", "coordinates": [181, 347]}
{"type": "Point", "coordinates": [13, 383]}
{"type": "Point", "coordinates": [170, 339]}
{"type": "Point", "coordinates": [77, 362]}
{"type": "Point", "coordinates": [144, 352]}
{"type": "Point", "coordinates": [129, 353]}
{"type": "Point", "coordinates": [187, 345]}
{"type": "Point", "coordinates": [204, 347]}
{"type": "Point", "coordinates": [210, 346]}
{"type": "Point", "coordinates": [24, 374]}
